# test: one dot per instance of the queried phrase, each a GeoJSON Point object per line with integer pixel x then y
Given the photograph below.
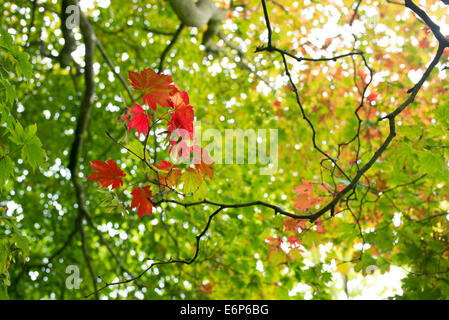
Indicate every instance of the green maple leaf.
{"type": "Point", "coordinates": [6, 170]}
{"type": "Point", "coordinates": [33, 153]}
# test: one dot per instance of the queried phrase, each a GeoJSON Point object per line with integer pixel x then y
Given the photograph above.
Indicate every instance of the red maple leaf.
{"type": "Point", "coordinates": [163, 165]}
{"type": "Point", "coordinates": [181, 123]}
{"type": "Point", "coordinates": [302, 203]}
{"type": "Point", "coordinates": [182, 118]}
{"type": "Point", "coordinates": [139, 119]}
{"type": "Point", "coordinates": [424, 43]}
{"type": "Point", "coordinates": [107, 173]}
{"type": "Point", "coordinates": [183, 114]}
{"type": "Point", "coordinates": [156, 88]}
{"type": "Point", "coordinates": [370, 112]}
{"type": "Point", "coordinates": [180, 130]}
{"type": "Point", "coordinates": [141, 200]}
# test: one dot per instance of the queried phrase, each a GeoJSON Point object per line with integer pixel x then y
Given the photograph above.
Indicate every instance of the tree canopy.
{"type": "Point", "coordinates": [220, 149]}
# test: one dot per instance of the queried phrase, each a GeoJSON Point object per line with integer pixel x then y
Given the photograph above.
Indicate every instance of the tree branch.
{"type": "Point", "coordinates": [168, 48]}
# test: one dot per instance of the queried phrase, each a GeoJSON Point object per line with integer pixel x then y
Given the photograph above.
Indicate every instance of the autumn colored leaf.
{"type": "Point", "coordinates": [203, 162]}
{"type": "Point", "coordinates": [424, 43]}
{"type": "Point", "coordinates": [271, 241]}
{"type": "Point", "coordinates": [141, 200]}
{"type": "Point", "coordinates": [371, 133]}
{"type": "Point", "coordinates": [156, 88]}
{"type": "Point", "coordinates": [170, 175]}
{"type": "Point", "coordinates": [302, 203]}
{"type": "Point", "coordinates": [191, 180]}
{"type": "Point", "coordinates": [305, 187]}
{"type": "Point", "coordinates": [180, 126]}
{"type": "Point", "coordinates": [305, 197]}
{"type": "Point", "coordinates": [320, 226]}
{"type": "Point", "coordinates": [139, 119]}
{"type": "Point", "coordinates": [107, 173]}
{"type": "Point", "coordinates": [363, 75]}
{"type": "Point", "coordinates": [292, 224]}
{"type": "Point", "coordinates": [207, 288]}
{"type": "Point", "coordinates": [370, 112]}
{"type": "Point", "coordinates": [172, 178]}
{"type": "Point", "coordinates": [163, 165]}
{"type": "Point", "coordinates": [179, 99]}
{"type": "Point", "coordinates": [294, 241]}
{"type": "Point", "coordinates": [372, 97]}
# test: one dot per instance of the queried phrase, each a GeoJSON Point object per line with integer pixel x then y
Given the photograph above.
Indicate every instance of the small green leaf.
{"type": "Point", "coordinates": [33, 154]}
{"type": "Point", "coordinates": [136, 147]}
{"type": "Point", "coordinates": [6, 170]}
{"type": "Point", "coordinates": [23, 66]}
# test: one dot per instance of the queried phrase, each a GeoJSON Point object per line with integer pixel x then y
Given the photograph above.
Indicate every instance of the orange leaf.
{"type": "Point", "coordinates": [203, 162]}
{"type": "Point", "coordinates": [304, 196]}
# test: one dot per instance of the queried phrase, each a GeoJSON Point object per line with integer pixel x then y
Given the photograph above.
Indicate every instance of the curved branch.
{"type": "Point", "coordinates": [170, 261]}
{"type": "Point", "coordinates": [168, 48]}
{"type": "Point", "coordinates": [350, 188]}
{"type": "Point", "coordinates": [111, 66]}
{"type": "Point", "coordinates": [443, 43]}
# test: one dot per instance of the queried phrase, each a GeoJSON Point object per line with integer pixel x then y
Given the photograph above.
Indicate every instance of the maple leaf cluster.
{"type": "Point", "coordinates": [305, 198]}
{"type": "Point", "coordinates": [159, 89]}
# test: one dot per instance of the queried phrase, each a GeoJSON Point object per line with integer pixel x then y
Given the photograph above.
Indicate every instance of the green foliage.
{"type": "Point", "coordinates": [12, 245]}
{"type": "Point", "coordinates": [26, 139]}
{"type": "Point", "coordinates": [12, 242]}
